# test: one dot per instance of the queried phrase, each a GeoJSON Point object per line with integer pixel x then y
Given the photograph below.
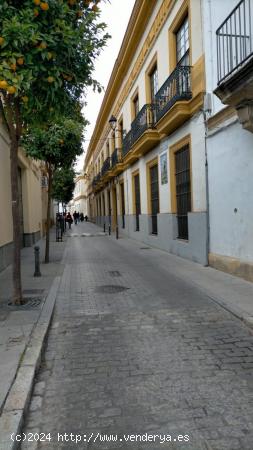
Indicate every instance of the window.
{"type": "Point", "coordinates": [113, 141]}
{"type": "Point", "coordinates": [183, 190]}
{"type": "Point", "coordinates": [137, 201]}
{"type": "Point", "coordinates": [107, 149]}
{"type": "Point", "coordinates": [153, 77]}
{"type": "Point", "coordinates": [121, 132]}
{"type": "Point", "coordinates": [122, 193]}
{"type": "Point", "coordinates": [135, 105]}
{"type": "Point", "coordinates": [182, 44]}
{"type": "Point", "coordinates": [154, 196]}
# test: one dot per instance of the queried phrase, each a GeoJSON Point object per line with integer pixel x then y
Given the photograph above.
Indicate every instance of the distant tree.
{"type": "Point", "coordinates": [58, 145]}
{"type": "Point", "coordinates": [63, 184]}
{"type": "Point", "coordinates": [47, 51]}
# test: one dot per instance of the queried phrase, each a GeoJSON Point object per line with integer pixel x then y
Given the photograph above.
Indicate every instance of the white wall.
{"type": "Point", "coordinates": [230, 156]}
{"type": "Point", "coordinates": [214, 12]}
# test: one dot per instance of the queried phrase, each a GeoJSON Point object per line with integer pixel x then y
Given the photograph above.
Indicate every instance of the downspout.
{"type": "Point", "coordinates": [206, 125]}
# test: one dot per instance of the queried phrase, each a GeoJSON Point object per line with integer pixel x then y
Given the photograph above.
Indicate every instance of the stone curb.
{"type": "Point", "coordinates": [18, 398]}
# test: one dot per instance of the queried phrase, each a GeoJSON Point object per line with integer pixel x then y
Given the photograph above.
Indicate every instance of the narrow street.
{"type": "Point", "coordinates": [135, 350]}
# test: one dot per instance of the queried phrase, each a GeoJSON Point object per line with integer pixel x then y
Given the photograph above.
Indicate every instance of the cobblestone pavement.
{"type": "Point", "coordinates": [135, 350]}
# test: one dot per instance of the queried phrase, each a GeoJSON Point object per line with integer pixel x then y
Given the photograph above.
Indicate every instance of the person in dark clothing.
{"type": "Point", "coordinates": [86, 218]}
{"type": "Point", "coordinates": [75, 215]}
{"type": "Point", "coordinates": [69, 219]}
{"type": "Point", "coordinates": [81, 217]}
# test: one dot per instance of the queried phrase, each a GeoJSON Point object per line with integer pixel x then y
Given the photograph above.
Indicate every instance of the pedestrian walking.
{"type": "Point", "coordinates": [81, 217]}
{"type": "Point", "coordinates": [75, 215]}
{"type": "Point", "coordinates": [69, 219]}
{"type": "Point", "coordinates": [86, 218]}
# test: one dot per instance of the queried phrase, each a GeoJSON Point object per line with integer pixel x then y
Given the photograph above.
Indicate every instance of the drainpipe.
{"type": "Point", "coordinates": [207, 193]}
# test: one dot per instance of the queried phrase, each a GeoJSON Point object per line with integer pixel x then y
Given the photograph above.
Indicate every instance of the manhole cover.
{"type": "Point", "coordinates": [110, 289]}
{"type": "Point", "coordinates": [29, 303]}
{"type": "Point", "coordinates": [114, 273]}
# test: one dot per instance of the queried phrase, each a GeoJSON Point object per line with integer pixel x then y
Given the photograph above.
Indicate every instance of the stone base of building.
{"type": "Point", "coordinates": [194, 249]}
{"type": "Point", "coordinates": [234, 266]}
{"type": "Point", "coordinates": [31, 238]}
{"type": "Point", "coordinates": [6, 251]}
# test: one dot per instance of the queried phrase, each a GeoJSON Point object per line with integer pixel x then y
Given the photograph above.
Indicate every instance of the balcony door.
{"type": "Point", "coordinates": [154, 196]}
{"type": "Point", "coordinates": [137, 201]}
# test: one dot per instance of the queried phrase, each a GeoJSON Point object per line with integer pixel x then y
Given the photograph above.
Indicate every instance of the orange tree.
{"type": "Point", "coordinates": [47, 54]}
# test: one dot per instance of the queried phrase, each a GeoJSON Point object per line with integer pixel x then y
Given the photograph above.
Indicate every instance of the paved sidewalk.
{"type": "Point", "coordinates": [21, 330]}
{"type": "Point", "coordinates": [139, 345]}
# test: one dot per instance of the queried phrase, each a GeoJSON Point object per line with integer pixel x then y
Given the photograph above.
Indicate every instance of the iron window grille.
{"type": "Point", "coordinates": [183, 190]}
{"type": "Point", "coordinates": [154, 185]}
{"type": "Point", "coordinates": [137, 201]}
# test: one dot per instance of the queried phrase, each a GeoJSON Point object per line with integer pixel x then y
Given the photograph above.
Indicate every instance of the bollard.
{"type": "Point", "coordinates": [117, 232]}
{"type": "Point", "coordinates": [104, 227]}
{"type": "Point", "coordinates": [109, 230]}
{"type": "Point", "coordinates": [37, 261]}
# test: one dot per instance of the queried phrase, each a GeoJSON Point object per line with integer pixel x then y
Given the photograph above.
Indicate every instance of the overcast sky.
{"type": "Point", "coordinates": [116, 15]}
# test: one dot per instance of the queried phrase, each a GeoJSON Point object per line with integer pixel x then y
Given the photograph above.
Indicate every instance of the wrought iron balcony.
{"type": "Point", "coordinates": [115, 158]}
{"type": "Point", "coordinates": [143, 121]}
{"type": "Point", "coordinates": [106, 166]}
{"type": "Point", "coordinates": [96, 180]}
{"type": "Point", "coordinates": [127, 143]}
{"type": "Point", "coordinates": [176, 87]}
{"type": "Point", "coordinates": [235, 39]}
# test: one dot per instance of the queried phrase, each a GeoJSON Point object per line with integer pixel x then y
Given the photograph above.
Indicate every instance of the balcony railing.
{"type": "Point", "coordinates": [235, 39]}
{"type": "Point", "coordinates": [96, 180]}
{"type": "Point", "coordinates": [143, 121]}
{"type": "Point", "coordinates": [115, 158]}
{"type": "Point", "coordinates": [176, 87]}
{"type": "Point", "coordinates": [127, 143]}
{"type": "Point", "coordinates": [106, 166]}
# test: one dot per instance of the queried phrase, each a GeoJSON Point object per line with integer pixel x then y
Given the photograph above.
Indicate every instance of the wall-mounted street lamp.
{"type": "Point", "coordinates": [113, 122]}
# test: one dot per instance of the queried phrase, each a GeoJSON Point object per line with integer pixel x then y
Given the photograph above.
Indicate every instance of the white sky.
{"type": "Point", "coordinates": [116, 15]}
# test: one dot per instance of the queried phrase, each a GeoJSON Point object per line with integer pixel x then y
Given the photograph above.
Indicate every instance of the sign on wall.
{"type": "Point", "coordinates": [164, 168]}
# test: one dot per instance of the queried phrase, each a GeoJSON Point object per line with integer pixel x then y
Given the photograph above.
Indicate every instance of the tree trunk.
{"type": "Point", "coordinates": [48, 213]}
{"type": "Point", "coordinates": [16, 269]}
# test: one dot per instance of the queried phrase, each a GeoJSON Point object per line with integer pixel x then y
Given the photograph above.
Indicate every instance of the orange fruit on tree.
{"type": "Point", "coordinates": [71, 2]}
{"type": "Point", "coordinates": [1, 40]}
{"type": "Point", "coordinates": [49, 55]}
{"type": "Point", "coordinates": [11, 89]}
{"type": "Point", "coordinates": [44, 6]}
{"type": "Point", "coordinates": [25, 99]}
{"type": "Point", "coordinates": [3, 84]}
{"type": "Point", "coordinates": [95, 8]}
{"type": "Point", "coordinates": [61, 141]}
{"type": "Point", "coordinates": [35, 12]}
{"type": "Point", "coordinates": [43, 45]}
{"type": "Point", "coordinates": [20, 61]}
{"type": "Point", "coordinates": [50, 79]}
{"type": "Point", "coordinates": [36, 2]}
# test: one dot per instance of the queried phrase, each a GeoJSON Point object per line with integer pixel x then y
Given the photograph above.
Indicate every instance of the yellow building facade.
{"type": "Point", "coordinates": [33, 199]}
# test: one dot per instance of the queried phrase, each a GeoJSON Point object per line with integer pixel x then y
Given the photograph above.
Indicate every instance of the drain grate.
{"type": "Point", "coordinates": [144, 248]}
{"type": "Point", "coordinates": [110, 289]}
{"type": "Point", "coordinates": [29, 303]}
{"type": "Point", "coordinates": [114, 273]}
